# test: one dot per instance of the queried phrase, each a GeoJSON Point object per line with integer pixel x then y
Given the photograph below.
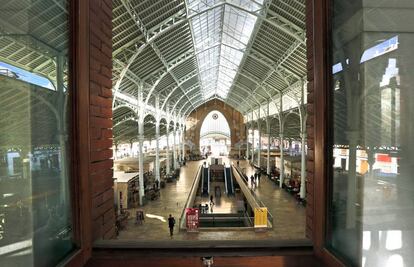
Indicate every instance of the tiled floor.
{"type": "Point", "coordinates": [289, 217]}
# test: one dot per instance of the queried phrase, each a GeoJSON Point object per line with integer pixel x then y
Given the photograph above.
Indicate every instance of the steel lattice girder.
{"type": "Point", "coordinates": [177, 81]}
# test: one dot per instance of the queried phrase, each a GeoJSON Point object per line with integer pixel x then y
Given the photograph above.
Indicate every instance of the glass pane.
{"type": "Point", "coordinates": [372, 202]}
{"type": "Point", "coordinates": [220, 36]}
{"type": "Point", "coordinates": [35, 210]}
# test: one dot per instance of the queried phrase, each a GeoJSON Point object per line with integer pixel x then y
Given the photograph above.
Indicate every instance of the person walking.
{"type": "Point", "coordinates": [171, 223]}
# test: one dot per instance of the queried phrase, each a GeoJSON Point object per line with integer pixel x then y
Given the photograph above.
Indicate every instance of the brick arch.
{"type": "Point", "coordinates": [234, 119]}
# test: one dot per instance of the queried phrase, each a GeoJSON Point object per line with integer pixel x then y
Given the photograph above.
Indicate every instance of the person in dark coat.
{"type": "Point", "coordinates": [171, 223]}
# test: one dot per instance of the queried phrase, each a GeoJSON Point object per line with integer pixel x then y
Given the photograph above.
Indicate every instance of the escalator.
{"type": "Point", "coordinates": [206, 182]}
{"type": "Point", "coordinates": [228, 180]}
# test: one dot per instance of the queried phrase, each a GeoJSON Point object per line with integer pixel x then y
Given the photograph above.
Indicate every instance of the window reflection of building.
{"type": "Point", "coordinates": [35, 204]}
{"type": "Point", "coordinates": [372, 100]}
{"type": "Point", "coordinates": [390, 105]}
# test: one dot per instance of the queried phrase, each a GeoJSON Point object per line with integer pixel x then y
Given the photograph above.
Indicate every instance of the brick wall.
{"type": "Point", "coordinates": [310, 122]}
{"type": "Point", "coordinates": [100, 118]}
{"type": "Point", "coordinates": [234, 118]}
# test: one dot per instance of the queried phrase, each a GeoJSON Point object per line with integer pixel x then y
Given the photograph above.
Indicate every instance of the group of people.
{"type": "Point", "coordinates": [255, 179]}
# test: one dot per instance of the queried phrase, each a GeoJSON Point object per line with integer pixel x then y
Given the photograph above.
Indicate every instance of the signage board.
{"type": "Point", "coordinates": [260, 217]}
{"type": "Point", "coordinates": [192, 219]}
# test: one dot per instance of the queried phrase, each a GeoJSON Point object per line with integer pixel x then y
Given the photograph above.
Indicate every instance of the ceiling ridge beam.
{"type": "Point", "coordinates": [265, 9]}
{"type": "Point", "coordinates": [177, 20]}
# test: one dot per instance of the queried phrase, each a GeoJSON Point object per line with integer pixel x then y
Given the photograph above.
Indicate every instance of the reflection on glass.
{"type": "Point", "coordinates": [35, 215]}
{"type": "Point", "coordinates": [371, 209]}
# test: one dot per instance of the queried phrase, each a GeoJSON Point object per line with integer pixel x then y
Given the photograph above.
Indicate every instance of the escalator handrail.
{"type": "Point", "coordinates": [261, 204]}
{"type": "Point", "coordinates": [187, 204]}
{"type": "Point", "coordinates": [225, 180]}
{"type": "Point", "coordinates": [208, 183]}
{"type": "Point", "coordinates": [202, 180]}
{"type": "Point", "coordinates": [231, 181]}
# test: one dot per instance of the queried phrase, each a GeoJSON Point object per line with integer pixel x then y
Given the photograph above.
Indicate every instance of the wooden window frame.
{"type": "Point", "coordinates": [322, 52]}
{"type": "Point", "coordinates": [81, 202]}
{"type": "Point", "coordinates": [79, 180]}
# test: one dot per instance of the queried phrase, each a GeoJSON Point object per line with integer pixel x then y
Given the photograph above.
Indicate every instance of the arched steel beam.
{"type": "Point", "coordinates": [282, 59]}
{"type": "Point", "coordinates": [233, 104]}
{"type": "Point", "coordinates": [184, 57]}
{"type": "Point", "coordinates": [153, 34]}
{"type": "Point", "coordinates": [226, 100]}
{"type": "Point", "coordinates": [124, 106]}
{"type": "Point", "coordinates": [247, 77]}
{"type": "Point", "coordinates": [189, 78]}
{"type": "Point", "coordinates": [123, 121]}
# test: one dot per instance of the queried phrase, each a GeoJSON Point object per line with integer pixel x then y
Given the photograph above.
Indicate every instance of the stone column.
{"type": "Point", "coordinates": [116, 152]}
{"type": "Point", "coordinates": [183, 143]}
{"type": "Point", "coordinates": [282, 162]}
{"type": "Point", "coordinates": [268, 139]}
{"type": "Point", "coordinates": [253, 147]}
{"type": "Point", "coordinates": [141, 116]}
{"type": "Point", "coordinates": [252, 121]}
{"type": "Point", "coordinates": [63, 136]}
{"type": "Point", "coordinates": [168, 167]}
{"type": "Point", "coordinates": [131, 143]}
{"type": "Point", "coordinates": [157, 150]}
{"type": "Point", "coordinates": [175, 148]}
{"type": "Point", "coordinates": [141, 161]}
{"type": "Point", "coordinates": [268, 149]}
{"type": "Point", "coordinates": [281, 145]}
{"type": "Point", "coordinates": [303, 136]}
{"type": "Point", "coordinates": [157, 138]}
{"type": "Point", "coordinates": [259, 153]}
{"type": "Point", "coordinates": [247, 142]}
{"type": "Point", "coordinates": [178, 145]}
{"type": "Point", "coordinates": [352, 179]}
{"type": "Point", "coordinates": [303, 167]}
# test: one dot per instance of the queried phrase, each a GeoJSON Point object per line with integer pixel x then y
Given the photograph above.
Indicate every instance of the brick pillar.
{"type": "Point", "coordinates": [310, 122]}
{"type": "Point", "coordinates": [100, 116]}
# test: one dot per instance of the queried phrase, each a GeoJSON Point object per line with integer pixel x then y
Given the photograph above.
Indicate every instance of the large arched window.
{"type": "Point", "coordinates": [215, 134]}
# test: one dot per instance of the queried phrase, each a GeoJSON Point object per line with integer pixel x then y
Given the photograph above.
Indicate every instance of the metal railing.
{"type": "Point", "coordinates": [187, 203]}
{"type": "Point", "coordinates": [261, 204]}
{"type": "Point", "coordinates": [216, 218]}
{"type": "Point", "coordinates": [225, 180]}
{"type": "Point", "coordinates": [208, 185]}
{"type": "Point", "coordinates": [231, 180]}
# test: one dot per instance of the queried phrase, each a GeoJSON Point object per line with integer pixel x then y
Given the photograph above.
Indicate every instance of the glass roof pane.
{"type": "Point", "coordinates": [221, 34]}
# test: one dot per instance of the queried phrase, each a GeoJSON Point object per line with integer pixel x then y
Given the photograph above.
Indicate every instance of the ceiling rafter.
{"type": "Point", "coordinates": [138, 21]}
{"type": "Point", "coordinates": [282, 59]}
{"type": "Point", "coordinates": [181, 17]}
{"type": "Point", "coordinates": [264, 72]}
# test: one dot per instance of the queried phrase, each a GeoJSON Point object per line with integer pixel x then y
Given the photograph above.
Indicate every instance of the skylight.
{"type": "Point", "coordinates": [221, 34]}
